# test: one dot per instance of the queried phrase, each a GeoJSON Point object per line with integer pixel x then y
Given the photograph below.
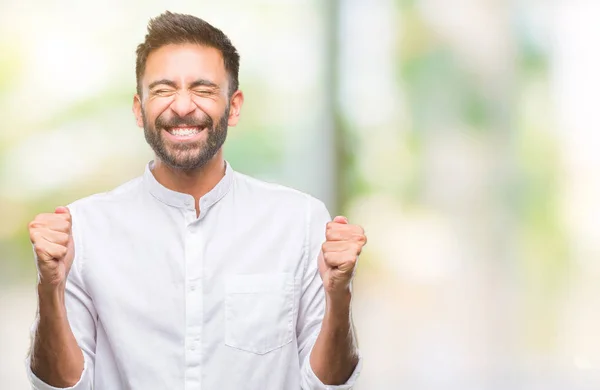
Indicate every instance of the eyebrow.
{"type": "Point", "coordinates": [204, 83]}
{"type": "Point", "coordinates": [163, 81]}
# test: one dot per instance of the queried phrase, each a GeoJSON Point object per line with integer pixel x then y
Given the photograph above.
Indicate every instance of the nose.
{"type": "Point", "coordinates": [183, 104]}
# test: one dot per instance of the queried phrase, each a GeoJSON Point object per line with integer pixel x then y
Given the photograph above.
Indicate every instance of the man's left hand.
{"type": "Point", "coordinates": [337, 261]}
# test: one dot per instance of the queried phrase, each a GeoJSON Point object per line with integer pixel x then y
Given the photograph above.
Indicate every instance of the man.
{"type": "Point", "coordinates": [193, 276]}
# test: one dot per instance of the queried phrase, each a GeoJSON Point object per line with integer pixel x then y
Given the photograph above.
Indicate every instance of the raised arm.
{"type": "Point", "coordinates": [56, 359]}
{"type": "Point", "coordinates": [335, 356]}
{"type": "Point", "coordinates": [326, 338]}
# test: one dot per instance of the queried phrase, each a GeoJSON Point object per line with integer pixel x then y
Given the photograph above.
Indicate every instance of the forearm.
{"type": "Point", "coordinates": [56, 358]}
{"type": "Point", "coordinates": [334, 355]}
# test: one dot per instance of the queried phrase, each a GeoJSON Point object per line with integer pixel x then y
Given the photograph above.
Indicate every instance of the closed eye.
{"type": "Point", "coordinates": [163, 92]}
{"type": "Point", "coordinates": [203, 92]}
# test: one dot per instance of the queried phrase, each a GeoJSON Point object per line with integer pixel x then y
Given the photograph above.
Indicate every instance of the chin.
{"type": "Point", "coordinates": [187, 164]}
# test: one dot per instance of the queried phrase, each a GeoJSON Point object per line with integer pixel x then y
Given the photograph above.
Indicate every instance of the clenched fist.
{"type": "Point", "coordinates": [53, 245]}
{"type": "Point", "coordinates": [337, 261]}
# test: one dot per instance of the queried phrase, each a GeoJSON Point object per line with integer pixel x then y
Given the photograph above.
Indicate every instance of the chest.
{"type": "Point", "coordinates": [174, 266]}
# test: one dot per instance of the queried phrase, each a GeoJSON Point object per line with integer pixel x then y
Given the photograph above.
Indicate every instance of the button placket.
{"type": "Point", "coordinates": [194, 304]}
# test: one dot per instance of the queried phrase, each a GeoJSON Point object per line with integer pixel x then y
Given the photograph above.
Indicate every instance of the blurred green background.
{"type": "Point", "coordinates": [462, 134]}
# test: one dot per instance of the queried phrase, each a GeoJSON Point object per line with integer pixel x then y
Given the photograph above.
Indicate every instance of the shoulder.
{"type": "Point", "coordinates": [275, 195]}
{"type": "Point", "coordinates": [125, 193]}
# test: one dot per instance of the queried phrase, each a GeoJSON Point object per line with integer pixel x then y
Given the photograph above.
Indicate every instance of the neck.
{"type": "Point", "coordinates": [195, 182]}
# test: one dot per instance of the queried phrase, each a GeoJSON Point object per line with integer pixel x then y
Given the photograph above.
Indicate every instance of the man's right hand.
{"type": "Point", "coordinates": [52, 241]}
{"type": "Point", "coordinates": [56, 358]}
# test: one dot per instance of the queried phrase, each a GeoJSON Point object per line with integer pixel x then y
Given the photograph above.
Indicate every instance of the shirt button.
{"type": "Point", "coordinates": [193, 287]}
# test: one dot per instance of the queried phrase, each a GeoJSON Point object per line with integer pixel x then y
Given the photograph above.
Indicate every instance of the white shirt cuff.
{"type": "Point", "coordinates": [314, 383]}
{"type": "Point", "coordinates": [38, 384]}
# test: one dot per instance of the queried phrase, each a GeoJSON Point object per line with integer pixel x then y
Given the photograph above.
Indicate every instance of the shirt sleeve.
{"type": "Point", "coordinates": [81, 315]}
{"type": "Point", "coordinates": [312, 300]}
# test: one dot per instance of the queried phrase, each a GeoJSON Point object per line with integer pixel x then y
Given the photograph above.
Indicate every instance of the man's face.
{"type": "Point", "coordinates": [185, 107]}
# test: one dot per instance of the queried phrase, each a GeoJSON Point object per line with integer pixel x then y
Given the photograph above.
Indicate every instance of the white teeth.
{"type": "Point", "coordinates": [184, 131]}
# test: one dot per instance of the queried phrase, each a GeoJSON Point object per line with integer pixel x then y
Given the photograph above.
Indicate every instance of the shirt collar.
{"type": "Point", "coordinates": [181, 200]}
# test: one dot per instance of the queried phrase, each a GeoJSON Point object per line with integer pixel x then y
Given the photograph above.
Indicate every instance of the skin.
{"type": "Point", "coordinates": [186, 81]}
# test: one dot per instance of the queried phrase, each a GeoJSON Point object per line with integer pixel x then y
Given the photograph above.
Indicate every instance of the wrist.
{"type": "Point", "coordinates": [51, 299]}
{"type": "Point", "coordinates": [338, 302]}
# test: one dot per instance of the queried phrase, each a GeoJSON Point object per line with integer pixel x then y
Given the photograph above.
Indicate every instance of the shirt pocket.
{"type": "Point", "coordinates": [259, 311]}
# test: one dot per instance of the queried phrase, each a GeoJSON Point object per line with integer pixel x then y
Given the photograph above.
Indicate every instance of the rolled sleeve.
{"type": "Point", "coordinates": [85, 381]}
{"type": "Point", "coordinates": [310, 381]}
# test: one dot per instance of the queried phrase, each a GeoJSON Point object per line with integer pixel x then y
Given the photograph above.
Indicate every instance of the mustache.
{"type": "Point", "coordinates": [187, 121]}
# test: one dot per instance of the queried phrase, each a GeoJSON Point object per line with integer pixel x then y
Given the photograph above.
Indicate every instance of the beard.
{"type": "Point", "coordinates": [186, 156]}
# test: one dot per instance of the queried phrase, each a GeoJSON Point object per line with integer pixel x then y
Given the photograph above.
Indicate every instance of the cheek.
{"type": "Point", "coordinates": [211, 107]}
{"type": "Point", "coordinates": [155, 107]}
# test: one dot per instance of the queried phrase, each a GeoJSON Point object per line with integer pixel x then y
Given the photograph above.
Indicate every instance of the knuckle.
{"type": "Point", "coordinates": [37, 248]}
{"type": "Point", "coordinates": [332, 229]}
{"type": "Point", "coordinates": [63, 238]}
{"type": "Point", "coordinates": [41, 252]}
{"type": "Point", "coordinates": [67, 217]}
{"type": "Point", "coordinates": [57, 252]}
{"type": "Point", "coordinates": [36, 223]}
{"type": "Point", "coordinates": [34, 236]}
{"type": "Point", "coordinates": [60, 225]}
{"type": "Point", "coordinates": [352, 260]}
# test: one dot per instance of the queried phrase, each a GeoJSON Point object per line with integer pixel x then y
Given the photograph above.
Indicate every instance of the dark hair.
{"type": "Point", "coordinates": [170, 28]}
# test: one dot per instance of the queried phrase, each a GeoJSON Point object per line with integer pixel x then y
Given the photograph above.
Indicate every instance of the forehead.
{"type": "Point", "coordinates": [185, 63]}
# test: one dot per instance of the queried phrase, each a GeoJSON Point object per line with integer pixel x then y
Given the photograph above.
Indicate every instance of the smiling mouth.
{"type": "Point", "coordinates": [184, 131]}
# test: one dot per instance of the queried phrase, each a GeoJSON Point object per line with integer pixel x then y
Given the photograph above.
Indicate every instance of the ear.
{"type": "Point", "coordinates": [137, 110]}
{"type": "Point", "coordinates": [235, 107]}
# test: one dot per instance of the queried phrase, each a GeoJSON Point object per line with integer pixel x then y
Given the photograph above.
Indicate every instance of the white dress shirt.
{"type": "Point", "coordinates": [160, 299]}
